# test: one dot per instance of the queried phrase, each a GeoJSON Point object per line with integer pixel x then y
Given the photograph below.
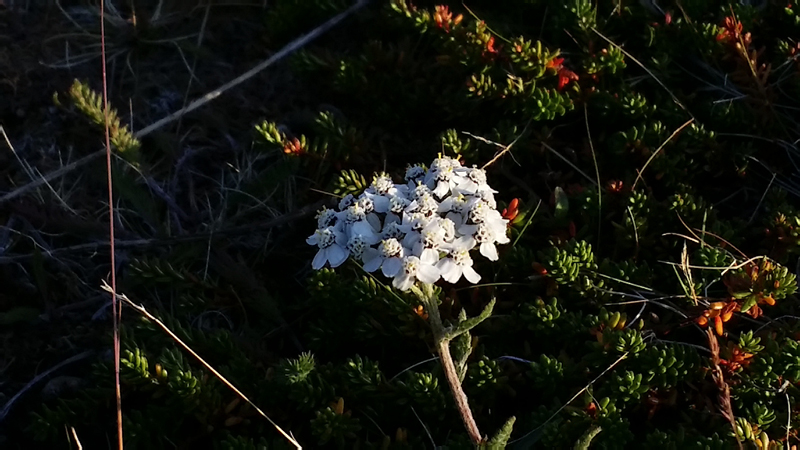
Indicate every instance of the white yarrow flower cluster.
{"type": "Point", "coordinates": [422, 229]}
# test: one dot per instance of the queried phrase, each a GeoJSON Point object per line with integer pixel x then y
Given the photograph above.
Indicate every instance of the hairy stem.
{"type": "Point", "coordinates": [442, 341]}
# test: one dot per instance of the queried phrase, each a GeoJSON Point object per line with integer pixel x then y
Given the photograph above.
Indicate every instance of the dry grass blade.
{"type": "Point", "coordinates": [74, 434]}
{"type": "Point", "coordinates": [224, 381]}
{"type": "Point", "coordinates": [116, 315]}
{"type": "Point", "coordinates": [597, 174]}
{"type": "Point", "coordinates": [687, 272]}
{"type": "Point", "coordinates": [658, 150]}
{"type": "Point", "coordinates": [285, 51]}
{"type": "Point", "coordinates": [507, 148]}
{"type": "Point", "coordinates": [563, 158]}
{"type": "Point", "coordinates": [577, 394]}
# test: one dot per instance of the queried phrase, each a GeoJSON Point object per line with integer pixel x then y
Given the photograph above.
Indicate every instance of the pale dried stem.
{"type": "Point", "coordinates": [442, 341]}
{"type": "Point", "coordinates": [208, 366]}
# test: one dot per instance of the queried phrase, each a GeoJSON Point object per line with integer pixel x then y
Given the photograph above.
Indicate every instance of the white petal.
{"type": "Point", "coordinates": [457, 218]}
{"type": "Point", "coordinates": [365, 229]}
{"type": "Point", "coordinates": [429, 256]}
{"type": "Point", "coordinates": [319, 259]}
{"type": "Point", "coordinates": [468, 187]}
{"type": "Point", "coordinates": [391, 266]}
{"type": "Point", "coordinates": [312, 240]}
{"type": "Point", "coordinates": [370, 253]}
{"type": "Point", "coordinates": [502, 238]}
{"type": "Point", "coordinates": [494, 215]}
{"type": "Point", "coordinates": [489, 251]}
{"type": "Point", "coordinates": [336, 255]}
{"type": "Point", "coordinates": [449, 269]}
{"type": "Point", "coordinates": [374, 221]}
{"type": "Point", "coordinates": [340, 237]}
{"type": "Point", "coordinates": [410, 239]}
{"type": "Point", "coordinates": [468, 230]}
{"type": "Point", "coordinates": [470, 274]}
{"type": "Point", "coordinates": [372, 264]}
{"type": "Point", "coordinates": [427, 274]}
{"type": "Point", "coordinates": [465, 243]}
{"type": "Point", "coordinates": [381, 203]}
{"type": "Point", "coordinates": [442, 188]}
{"type": "Point", "coordinates": [446, 205]}
{"type": "Point", "coordinates": [403, 282]}
{"type": "Point", "coordinates": [413, 206]}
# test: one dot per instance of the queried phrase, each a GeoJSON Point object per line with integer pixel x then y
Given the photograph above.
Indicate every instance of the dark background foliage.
{"type": "Point", "coordinates": [652, 150]}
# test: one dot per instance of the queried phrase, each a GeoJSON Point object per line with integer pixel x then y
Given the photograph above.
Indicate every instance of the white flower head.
{"type": "Point", "coordinates": [346, 201]}
{"type": "Point", "coordinates": [473, 181]}
{"type": "Point", "coordinates": [331, 249]}
{"type": "Point", "coordinates": [486, 234]}
{"type": "Point", "coordinates": [389, 258]}
{"type": "Point", "coordinates": [443, 177]}
{"type": "Point", "coordinates": [458, 262]}
{"type": "Point", "coordinates": [381, 185]}
{"type": "Point", "coordinates": [382, 191]}
{"type": "Point", "coordinates": [415, 173]}
{"type": "Point", "coordinates": [357, 245]}
{"type": "Point", "coordinates": [421, 229]}
{"type": "Point", "coordinates": [448, 229]}
{"type": "Point", "coordinates": [415, 268]}
{"type": "Point", "coordinates": [354, 213]}
{"type": "Point", "coordinates": [419, 191]}
{"type": "Point", "coordinates": [478, 211]}
{"type": "Point", "coordinates": [393, 230]}
{"type": "Point", "coordinates": [429, 240]}
{"type": "Point", "coordinates": [425, 205]}
{"type": "Point", "coordinates": [326, 218]}
{"type": "Point", "coordinates": [366, 203]}
{"type": "Point", "coordinates": [398, 204]}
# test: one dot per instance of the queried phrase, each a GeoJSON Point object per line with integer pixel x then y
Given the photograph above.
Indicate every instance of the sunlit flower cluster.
{"type": "Point", "coordinates": [422, 229]}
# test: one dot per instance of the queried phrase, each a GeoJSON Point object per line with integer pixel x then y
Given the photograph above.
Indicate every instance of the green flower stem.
{"type": "Point", "coordinates": [586, 440]}
{"type": "Point", "coordinates": [442, 337]}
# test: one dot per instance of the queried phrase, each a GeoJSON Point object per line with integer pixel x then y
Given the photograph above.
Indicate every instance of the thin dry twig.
{"type": "Point", "coordinates": [285, 51]}
{"type": "Point", "coordinates": [116, 310]}
{"type": "Point", "coordinates": [658, 150]}
{"type": "Point", "coordinates": [178, 340]}
{"type": "Point", "coordinates": [506, 148]}
{"type": "Point", "coordinates": [722, 240]}
{"type": "Point", "coordinates": [563, 158]}
{"type": "Point", "coordinates": [192, 69]}
{"type": "Point", "coordinates": [649, 72]}
{"type": "Point", "coordinates": [577, 394]}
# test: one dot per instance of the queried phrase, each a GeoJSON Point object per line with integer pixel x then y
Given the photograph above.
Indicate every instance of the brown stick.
{"type": "Point", "coordinates": [443, 346]}
{"type": "Point", "coordinates": [450, 373]}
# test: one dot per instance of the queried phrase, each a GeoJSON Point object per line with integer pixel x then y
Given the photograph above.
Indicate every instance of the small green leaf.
{"type": "Point", "coordinates": [740, 295]}
{"type": "Point", "coordinates": [562, 203]}
{"type": "Point", "coordinates": [749, 303]}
